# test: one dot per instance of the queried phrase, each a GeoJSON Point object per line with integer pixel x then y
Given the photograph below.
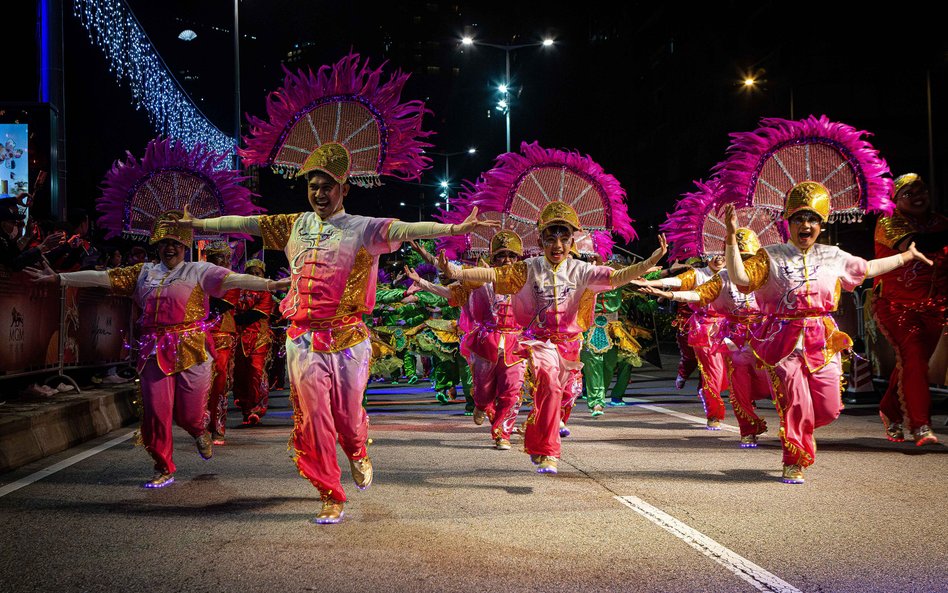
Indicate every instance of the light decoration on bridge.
{"type": "Point", "coordinates": [132, 58]}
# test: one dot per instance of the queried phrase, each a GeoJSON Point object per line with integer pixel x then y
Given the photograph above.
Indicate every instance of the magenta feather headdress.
{"type": "Point", "coordinates": [765, 164]}
{"type": "Point", "coordinates": [135, 192]}
{"type": "Point", "coordinates": [696, 228]}
{"type": "Point", "coordinates": [347, 104]}
{"type": "Point", "coordinates": [519, 185]}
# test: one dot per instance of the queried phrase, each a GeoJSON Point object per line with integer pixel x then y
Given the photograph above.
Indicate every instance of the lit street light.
{"type": "Point", "coordinates": [504, 103]}
{"type": "Point", "coordinates": [445, 183]}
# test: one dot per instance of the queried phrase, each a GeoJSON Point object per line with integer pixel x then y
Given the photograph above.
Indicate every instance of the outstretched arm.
{"type": "Point", "coordinates": [441, 291]}
{"type": "Point", "coordinates": [248, 225]}
{"type": "Point", "coordinates": [629, 273]}
{"type": "Point", "coordinates": [473, 275]}
{"type": "Point", "coordinates": [251, 282]}
{"type": "Point", "coordinates": [400, 231]}
{"type": "Point", "coordinates": [82, 279]}
{"type": "Point", "coordinates": [877, 267]}
{"type": "Point", "coordinates": [732, 254]}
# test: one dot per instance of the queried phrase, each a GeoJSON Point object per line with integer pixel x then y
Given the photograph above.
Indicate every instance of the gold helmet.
{"type": "Point", "coordinates": [506, 241]}
{"type": "Point", "coordinates": [332, 159]}
{"type": "Point", "coordinates": [218, 247]}
{"type": "Point", "coordinates": [166, 227]}
{"type": "Point", "coordinates": [808, 195]}
{"type": "Point", "coordinates": [255, 263]}
{"type": "Point", "coordinates": [558, 213]}
{"type": "Point", "coordinates": [747, 241]}
{"type": "Point", "coordinates": [903, 181]}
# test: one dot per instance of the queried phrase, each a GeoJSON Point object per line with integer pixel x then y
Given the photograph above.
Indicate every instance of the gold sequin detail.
{"type": "Point", "coordinates": [586, 313]}
{"type": "Point", "coordinates": [275, 229]}
{"type": "Point", "coordinates": [758, 270]}
{"type": "Point", "coordinates": [892, 229]}
{"type": "Point", "coordinates": [688, 280]}
{"type": "Point", "coordinates": [460, 293]}
{"type": "Point", "coordinates": [124, 280]}
{"type": "Point", "coordinates": [510, 278]}
{"type": "Point", "coordinates": [710, 289]}
{"type": "Point", "coordinates": [353, 297]}
{"type": "Point", "coordinates": [346, 337]}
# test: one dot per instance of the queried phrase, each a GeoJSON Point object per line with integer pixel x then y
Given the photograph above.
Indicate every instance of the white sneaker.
{"type": "Point", "coordinates": [114, 379]}
{"type": "Point", "coordinates": [64, 387]}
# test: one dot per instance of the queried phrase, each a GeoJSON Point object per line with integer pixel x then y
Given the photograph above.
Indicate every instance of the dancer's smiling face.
{"type": "Point", "coordinates": [913, 199]}
{"type": "Point", "coordinates": [556, 241]}
{"type": "Point", "coordinates": [324, 194]}
{"type": "Point", "coordinates": [171, 252]}
{"type": "Point", "coordinates": [805, 228]}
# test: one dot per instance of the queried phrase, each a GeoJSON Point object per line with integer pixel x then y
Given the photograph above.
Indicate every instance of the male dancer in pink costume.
{"type": "Point", "coordinates": [491, 342]}
{"type": "Point", "coordinates": [553, 295]}
{"type": "Point", "coordinates": [734, 313]}
{"type": "Point", "coordinates": [334, 258]}
{"type": "Point", "coordinates": [173, 357]}
{"type": "Point", "coordinates": [797, 286]}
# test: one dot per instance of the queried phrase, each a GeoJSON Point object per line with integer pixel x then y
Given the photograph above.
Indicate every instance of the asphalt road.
{"type": "Point", "coordinates": [646, 500]}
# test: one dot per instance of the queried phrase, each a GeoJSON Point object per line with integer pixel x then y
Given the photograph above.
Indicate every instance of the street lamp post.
{"type": "Point", "coordinates": [445, 183]}
{"type": "Point", "coordinates": [504, 104]}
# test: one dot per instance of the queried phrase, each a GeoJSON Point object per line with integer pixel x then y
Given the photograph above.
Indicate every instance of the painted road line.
{"type": "Point", "coordinates": [761, 579]}
{"type": "Point", "coordinates": [45, 473]}
{"type": "Point", "coordinates": [645, 405]}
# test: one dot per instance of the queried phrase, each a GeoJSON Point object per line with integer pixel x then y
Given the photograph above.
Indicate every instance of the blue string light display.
{"type": "Point", "coordinates": [114, 29]}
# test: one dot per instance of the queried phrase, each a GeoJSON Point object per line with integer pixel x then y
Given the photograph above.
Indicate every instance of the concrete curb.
{"type": "Point", "coordinates": [33, 430]}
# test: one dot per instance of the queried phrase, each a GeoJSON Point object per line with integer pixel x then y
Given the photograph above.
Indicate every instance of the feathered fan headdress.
{"type": "Point", "coordinates": [135, 192]}
{"type": "Point", "coordinates": [696, 228]}
{"type": "Point", "coordinates": [342, 120]}
{"type": "Point", "coordinates": [517, 188]}
{"type": "Point", "coordinates": [764, 165]}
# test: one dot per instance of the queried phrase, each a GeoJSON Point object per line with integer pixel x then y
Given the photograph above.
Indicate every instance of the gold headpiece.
{"type": "Point", "coordinates": [166, 227]}
{"type": "Point", "coordinates": [747, 241]}
{"type": "Point", "coordinates": [808, 195]}
{"type": "Point", "coordinates": [506, 241]}
{"type": "Point", "coordinates": [559, 213]}
{"type": "Point", "coordinates": [218, 247]}
{"type": "Point", "coordinates": [332, 159]}
{"type": "Point", "coordinates": [255, 263]}
{"type": "Point", "coordinates": [905, 181]}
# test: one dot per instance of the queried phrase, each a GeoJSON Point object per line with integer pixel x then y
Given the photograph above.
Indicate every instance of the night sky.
{"type": "Point", "coordinates": [649, 90]}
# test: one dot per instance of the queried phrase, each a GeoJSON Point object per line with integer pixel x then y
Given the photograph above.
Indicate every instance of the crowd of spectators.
{"type": "Point", "coordinates": [66, 246]}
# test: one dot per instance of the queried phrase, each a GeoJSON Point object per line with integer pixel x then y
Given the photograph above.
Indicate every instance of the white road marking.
{"type": "Point", "coordinates": [45, 473]}
{"type": "Point", "coordinates": [761, 579]}
{"type": "Point", "coordinates": [644, 404]}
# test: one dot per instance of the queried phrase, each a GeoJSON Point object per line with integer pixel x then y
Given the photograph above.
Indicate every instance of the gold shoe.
{"type": "Point", "coordinates": [361, 472]}
{"type": "Point", "coordinates": [204, 445]}
{"type": "Point", "coordinates": [714, 424]}
{"type": "Point", "coordinates": [160, 480]}
{"type": "Point", "coordinates": [893, 430]}
{"type": "Point", "coordinates": [330, 513]}
{"type": "Point", "coordinates": [218, 439]}
{"type": "Point", "coordinates": [502, 444]}
{"type": "Point", "coordinates": [749, 441]}
{"type": "Point", "coordinates": [792, 473]}
{"type": "Point", "coordinates": [924, 435]}
{"type": "Point", "coordinates": [479, 416]}
{"type": "Point", "coordinates": [547, 464]}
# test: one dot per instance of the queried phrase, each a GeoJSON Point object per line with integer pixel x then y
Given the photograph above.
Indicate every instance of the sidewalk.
{"type": "Point", "coordinates": [31, 429]}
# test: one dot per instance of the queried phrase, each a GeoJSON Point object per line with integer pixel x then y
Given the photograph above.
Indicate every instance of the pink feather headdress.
{"type": "Point", "coordinates": [168, 177]}
{"type": "Point", "coordinates": [517, 188]}
{"type": "Point", "coordinates": [345, 104]}
{"type": "Point", "coordinates": [696, 228]}
{"type": "Point", "coordinates": [765, 164]}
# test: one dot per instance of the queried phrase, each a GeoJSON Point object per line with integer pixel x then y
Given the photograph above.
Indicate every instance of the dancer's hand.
{"type": "Point", "coordinates": [472, 223]}
{"type": "Point", "coordinates": [44, 275]}
{"type": "Point", "coordinates": [730, 223]}
{"type": "Point", "coordinates": [916, 254]}
{"type": "Point", "coordinates": [661, 251]}
{"type": "Point", "coordinates": [652, 290]}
